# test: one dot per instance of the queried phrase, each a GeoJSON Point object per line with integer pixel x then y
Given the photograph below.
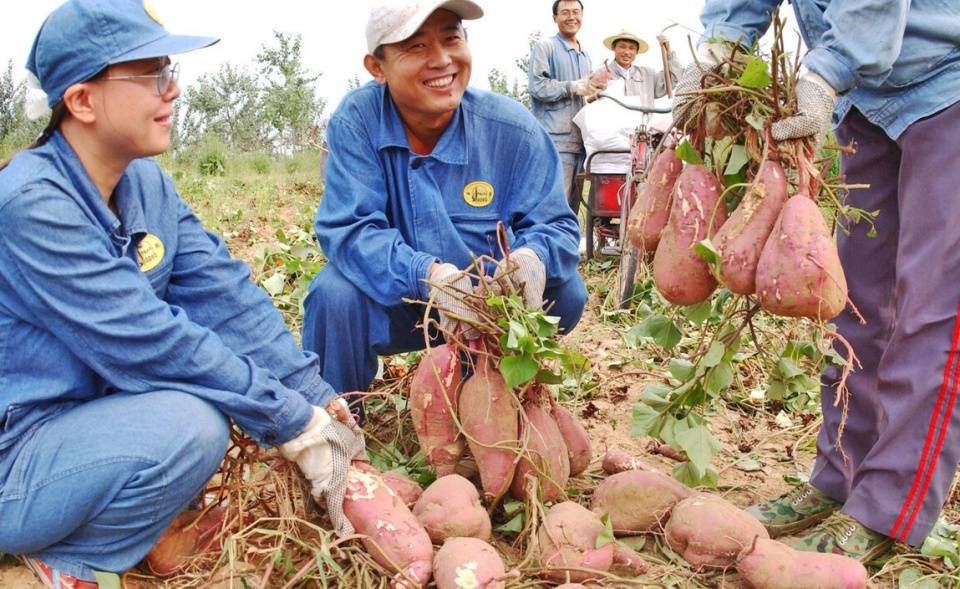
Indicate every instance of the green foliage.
{"type": "Point", "coordinates": [261, 163]}
{"type": "Point", "coordinates": [530, 347]}
{"type": "Point", "coordinates": [285, 267]}
{"type": "Point", "coordinates": [290, 105]}
{"type": "Point", "coordinates": [212, 159]}
{"type": "Point", "coordinates": [514, 87]}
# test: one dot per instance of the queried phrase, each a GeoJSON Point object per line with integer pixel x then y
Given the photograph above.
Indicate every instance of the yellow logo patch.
{"type": "Point", "coordinates": [478, 194]}
{"type": "Point", "coordinates": [151, 12]}
{"type": "Point", "coordinates": [149, 252]}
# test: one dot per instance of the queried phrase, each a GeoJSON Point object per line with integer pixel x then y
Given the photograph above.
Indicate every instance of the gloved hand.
{"type": "Point", "coordinates": [323, 451]}
{"type": "Point", "coordinates": [815, 101]}
{"type": "Point", "coordinates": [527, 275]}
{"type": "Point", "coordinates": [589, 86]}
{"type": "Point", "coordinates": [708, 58]}
{"type": "Point", "coordinates": [451, 286]}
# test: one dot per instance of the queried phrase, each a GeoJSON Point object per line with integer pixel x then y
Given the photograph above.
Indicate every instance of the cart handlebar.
{"type": "Point", "coordinates": [646, 109]}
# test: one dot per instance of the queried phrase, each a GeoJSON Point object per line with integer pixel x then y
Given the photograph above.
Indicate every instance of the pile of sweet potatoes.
{"type": "Point", "coordinates": [772, 244]}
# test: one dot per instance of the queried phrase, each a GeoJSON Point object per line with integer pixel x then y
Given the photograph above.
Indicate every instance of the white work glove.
{"type": "Point", "coordinates": [322, 452]}
{"type": "Point", "coordinates": [708, 58]}
{"type": "Point", "coordinates": [450, 287]}
{"type": "Point", "coordinates": [815, 101]}
{"type": "Point", "coordinates": [588, 86]}
{"type": "Point", "coordinates": [526, 274]}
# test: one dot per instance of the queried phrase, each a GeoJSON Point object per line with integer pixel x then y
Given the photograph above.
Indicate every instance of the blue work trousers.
{"type": "Point", "coordinates": [94, 487]}
{"type": "Point", "coordinates": [348, 330]}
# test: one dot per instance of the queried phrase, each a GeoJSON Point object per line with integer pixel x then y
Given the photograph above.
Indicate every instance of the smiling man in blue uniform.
{"type": "Point", "coordinates": [421, 168]}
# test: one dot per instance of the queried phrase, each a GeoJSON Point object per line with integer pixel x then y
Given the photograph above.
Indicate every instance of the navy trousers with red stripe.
{"type": "Point", "coordinates": [902, 436]}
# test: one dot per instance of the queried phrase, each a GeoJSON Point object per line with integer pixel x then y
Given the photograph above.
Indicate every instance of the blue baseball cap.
{"type": "Point", "coordinates": [82, 37]}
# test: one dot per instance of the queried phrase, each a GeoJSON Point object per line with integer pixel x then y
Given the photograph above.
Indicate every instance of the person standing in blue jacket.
{"type": "Point", "coordinates": [888, 71]}
{"type": "Point", "coordinates": [129, 339]}
{"type": "Point", "coordinates": [559, 75]}
{"type": "Point", "coordinates": [421, 169]}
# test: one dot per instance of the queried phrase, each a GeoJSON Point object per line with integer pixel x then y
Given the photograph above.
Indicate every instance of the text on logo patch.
{"type": "Point", "coordinates": [478, 193]}
{"type": "Point", "coordinates": [149, 252]}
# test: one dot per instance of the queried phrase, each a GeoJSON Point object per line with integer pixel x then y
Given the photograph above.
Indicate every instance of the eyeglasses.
{"type": "Point", "coordinates": [167, 76]}
{"type": "Point", "coordinates": [574, 12]}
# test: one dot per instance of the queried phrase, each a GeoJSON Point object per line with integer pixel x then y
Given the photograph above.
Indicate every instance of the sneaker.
{"type": "Point", "coordinates": [54, 579]}
{"type": "Point", "coordinates": [797, 510]}
{"type": "Point", "coordinates": [843, 535]}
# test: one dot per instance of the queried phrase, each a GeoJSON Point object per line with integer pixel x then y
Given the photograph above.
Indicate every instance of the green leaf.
{"type": "Point", "coordinates": [688, 474]}
{"type": "Point", "coordinates": [714, 355]}
{"type": "Point", "coordinates": [913, 578]}
{"type": "Point", "coordinates": [512, 507]}
{"type": "Point", "coordinates": [687, 153]}
{"type": "Point", "coordinates": [655, 395]}
{"type": "Point", "coordinates": [549, 377]}
{"type": "Point", "coordinates": [606, 535]}
{"type": "Point", "coordinates": [274, 283]}
{"type": "Point", "coordinates": [107, 580]}
{"type": "Point", "coordinates": [645, 419]}
{"type": "Point", "coordinates": [748, 465]}
{"type": "Point", "coordinates": [518, 370]}
{"type": "Point", "coordinates": [514, 526]}
{"type": "Point", "coordinates": [719, 378]}
{"type": "Point", "coordinates": [668, 430]}
{"type": "Point", "coordinates": [681, 369]}
{"type": "Point", "coordinates": [788, 368]}
{"type": "Point", "coordinates": [755, 74]}
{"type": "Point", "coordinates": [738, 159]}
{"type": "Point", "coordinates": [699, 445]}
{"type": "Point", "coordinates": [661, 329]}
{"type": "Point", "coordinates": [635, 543]}
{"type": "Point", "coordinates": [698, 313]}
{"type": "Point", "coordinates": [754, 120]}
{"type": "Point", "coordinates": [707, 252]}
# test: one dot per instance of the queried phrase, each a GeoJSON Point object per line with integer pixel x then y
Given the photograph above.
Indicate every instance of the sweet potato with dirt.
{"type": "Point", "coordinates": [395, 539]}
{"type": "Point", "coordinates": [697, 212]}
{"type": "Point", "coordinates": [651, 210]}
{"type": "Point", "coordinates": [567, 539]}
{"type": "Point", "coordinates": [450, 507]}
{"type": "Point", "coordinates": [579, 453]}
{"type": "Point", "coordinates": [741, 239]}
{"type": "Point", "coordinates": [544, 455]}
{"type": "Point", "coordinates": [626, 561]}
{"type": "Point", "coordinates": [616, 460]}
{"type": "Point", "coordinates": [490, 416]}
{"type": "Point", "coordinates": [406, 488]}
{"type": "Point", "coordinates": [799, 272]}
{"type": "Point", "coordinates": [433, 393]}
{"type": "Point", "coordinates": [638, 501]}
{"type": "Point", "coordinates": [709, 531]}
{"type": "Point", "coordinates": [468, 563]}
{"type": "Point", "coordinates": [769, 564]}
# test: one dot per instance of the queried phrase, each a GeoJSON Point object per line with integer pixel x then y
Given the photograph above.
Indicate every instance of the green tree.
{"type": "Point", "coordinates": [290, 105]}
{"type": "Point", "coordinates": [226, 105]}
{"type": "Point", "coordinates": [16, 130]}
{"type": "Point", "coordinates": [514, 86]}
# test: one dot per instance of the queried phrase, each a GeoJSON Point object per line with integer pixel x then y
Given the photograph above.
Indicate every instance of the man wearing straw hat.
{"type": "Point", "coordinates": [639, 80]}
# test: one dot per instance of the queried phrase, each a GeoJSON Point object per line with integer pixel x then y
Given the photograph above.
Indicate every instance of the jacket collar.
{"type": "Point", "coordinates": [450, 149]}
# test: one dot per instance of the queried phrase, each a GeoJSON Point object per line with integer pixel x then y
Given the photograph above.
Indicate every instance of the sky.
{"type": "Point", "coordinates": [333, 32]}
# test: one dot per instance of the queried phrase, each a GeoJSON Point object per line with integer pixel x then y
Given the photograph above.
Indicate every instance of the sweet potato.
{"type": "Point", "coordinates": [190, 534]}
{"type": "Point", "coordinates": [450, 507]}
{"type": "Point", "coordinates": [567, 539]}
{"type": "Point", "coordinates": [395, 539]}
{"type": "Point", "coordinates": [490, 416]}
{"type": "Point", "coordinates": [406, 488]}
{"type": "Point", "coordinates": [433, 392]}
{"type": "Point", "coordinates": [799, 272]}
{"type": "Point", "coordinates": [681, 276]}
{"type": "Point", "coordinates": [545, 455]}
{"type": "Point", "coordinates": [741, 239]}
{"type": "Point", "coordinates": [468, 563]}
{"type": "Point", "coordinates": [652, 209]}
{"type": "Point", "coordinates": [616, 460]}
{"type": "Point", "coordinates": [574, 437]}
{"type": "Point", "coordinates": [571, 586]}
{"type": "Point", "coordinates": [709, 531]}
{"type": "Point", "coordinates": [626, 561]}
{"type": "Point", "coordinates": [638, 501]}
{"type": "Point", "coordinates": [772, 565]}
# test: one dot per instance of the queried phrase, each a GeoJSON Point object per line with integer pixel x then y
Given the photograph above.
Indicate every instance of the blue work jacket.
{"type": "Point", "coordinates": [896, 61]}
{"type": "Point", "coordinates": [91, 303]}
{"type": "Point", "coordinates": [554, 68]}
{"type": "Point", "coordinates": [388, 213]}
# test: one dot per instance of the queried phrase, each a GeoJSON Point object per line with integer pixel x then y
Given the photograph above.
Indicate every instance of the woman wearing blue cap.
{"type": "Point", "coordinates": [128, 337]}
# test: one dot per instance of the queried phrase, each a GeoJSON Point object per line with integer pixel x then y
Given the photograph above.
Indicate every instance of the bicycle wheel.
{"type": "Point", "coordinates": [626, 274]}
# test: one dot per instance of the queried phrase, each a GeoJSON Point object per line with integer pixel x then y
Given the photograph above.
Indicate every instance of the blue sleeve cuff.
{"type": "Point", "coordinates": [419, 270]}
{"type": "Point", "coordinates": [832, 67]}
{"type": "Point", "coordinates": [729, 32]}
{"type": "Point", "coordinates": [292, 420]}
{"type": "Point", "coordinates": [319, 392]}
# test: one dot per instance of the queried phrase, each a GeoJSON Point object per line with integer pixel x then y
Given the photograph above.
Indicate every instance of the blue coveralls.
{"type": "Point", "coordinates": [126, 341]}
{"type": "Point", "coordinates": [896, 65]}
{"type": "Point", "coordinates": [387, 214]}
{"type": "Point", "coordinates": [553, 70]}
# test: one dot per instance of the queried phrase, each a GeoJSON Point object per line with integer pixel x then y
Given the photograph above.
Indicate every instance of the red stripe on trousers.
{"type": "Point", "coordinates": [931, 429]}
